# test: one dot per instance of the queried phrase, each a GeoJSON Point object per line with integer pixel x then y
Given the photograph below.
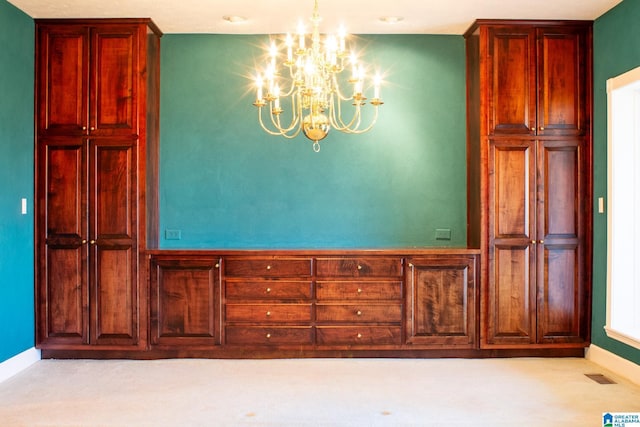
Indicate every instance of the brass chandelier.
{"type": "Point", "coordinates": [312, 100]}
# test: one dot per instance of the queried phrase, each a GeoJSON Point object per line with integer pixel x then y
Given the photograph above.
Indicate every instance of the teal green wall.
{"type": "Point", "coordinates": [16, 181]}
{"type": "Point", "coordinates": [616, 50]}
{"type": "Point", "coordinates": [224, 183]}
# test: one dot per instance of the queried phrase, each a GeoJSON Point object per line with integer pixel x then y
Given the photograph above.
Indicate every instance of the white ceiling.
{"type": "Point", "coordinates": [280, 16]}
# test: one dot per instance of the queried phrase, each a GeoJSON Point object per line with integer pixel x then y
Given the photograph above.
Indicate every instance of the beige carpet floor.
{"type": "Point", "coordinates": [313, 392]}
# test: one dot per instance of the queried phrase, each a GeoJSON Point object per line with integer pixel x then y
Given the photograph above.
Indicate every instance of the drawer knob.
{"type": "Point", "coordinates": [217, 265]}
{"type": "Point", "coordinates": [359, 290]}
{"type": "Point", "coordinates": [268, 313]}
{"type": "Point", "coordinates": [359, 336]}
{"type": "Point", "coordinates": [268, 336]}
{"type": "Point", "coordinates": [359, 267]}
{"type": "Point", "coordinates": [268, 290]}
{"type": "Point", "coordinates": [268, 267]}
{"type": "Point", "coordinates": [359, 313]}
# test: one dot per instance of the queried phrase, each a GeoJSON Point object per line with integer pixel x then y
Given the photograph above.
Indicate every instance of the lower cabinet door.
{"type": "Point", "coordinates": [184, 302]}
{"type": "Point", "coordinates": [441, 301]}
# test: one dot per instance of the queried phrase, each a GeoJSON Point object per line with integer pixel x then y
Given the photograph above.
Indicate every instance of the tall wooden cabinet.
{"type": "Point", "coordinates": [529, 178]}
{"type": "Point", "coordinates": [97, 84]}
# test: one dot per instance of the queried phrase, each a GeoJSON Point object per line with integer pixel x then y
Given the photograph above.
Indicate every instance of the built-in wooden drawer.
{"type": "Point", "coordinates": [358, 335]}
{"type": "Point", "coordinates": [356, 313]}
{"type": "Point", "coordinates": [267, 289]}
{"type": "Point", "coordinates": [359, 267]}
{"type": "Point", "coordinates": [267, 267]}
{"type": "Point", "coordinates": [345, 290]}
{"type": "Point", "coordinates": [265, 335]}
{"type": "Point", "coordinates": [268, 312]}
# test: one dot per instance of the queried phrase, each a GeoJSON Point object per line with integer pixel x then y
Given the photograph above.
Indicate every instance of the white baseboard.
{"type": "Point", "coordinates": [18, 363]}
{"type": "Point", "coordinates": [616, 364]}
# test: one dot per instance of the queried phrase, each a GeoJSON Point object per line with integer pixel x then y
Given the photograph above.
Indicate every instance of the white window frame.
{"type": "Point", "coordinates": [623, 207]}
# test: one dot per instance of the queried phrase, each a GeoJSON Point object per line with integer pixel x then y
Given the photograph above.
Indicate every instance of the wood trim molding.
{"type": "Point", "coordinates": [616, 364]}
{"type": "Point", "coordinates": [18, 363]}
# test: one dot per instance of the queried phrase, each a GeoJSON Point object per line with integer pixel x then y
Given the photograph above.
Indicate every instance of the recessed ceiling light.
{"type": "Point", "coordinates": [234, 19]}
{"type": "Point", "coordinates": [391, 19]}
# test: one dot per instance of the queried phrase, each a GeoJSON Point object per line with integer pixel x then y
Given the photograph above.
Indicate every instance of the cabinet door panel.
{"type": "Point", "coordinates": [561, 294]}
{"type": "Point", "coordinates": [64, 183]}
{"type": "Point", "coordinates": [64, 299]}
{"type": "Point", "coordinates": [511, 285]}
{"type": "Point", "coordinates": [112, 217]}
{"type": "Point", "coordinates": [442, 301]}
{"type": "Point", "coordinates": [184, 302]}
{"type": "Point", "coordinates": [113, 95]}
{"type": "Point", "coordinates": [114, 192]}
{"type": "Point", "coordinates": [61, 83]}
{"type": "Point", "coordinates": [560, 201]}
{"type": "Point", "coordinates": [512, 289]}
{"type": "Point", "coordinates": [511, 189]}
{"type": "Point", "coordinates": [61, 218]}
{"type": "Point", "coordinates": [562, 81]}
{"type": "Point", "coordinates": [512, 88]}
{"type": "Point", "coordinates": [114, 302]}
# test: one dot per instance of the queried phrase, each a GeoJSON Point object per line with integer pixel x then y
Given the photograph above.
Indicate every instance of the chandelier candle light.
{"type": "Point", "coordinates": [313, 96]}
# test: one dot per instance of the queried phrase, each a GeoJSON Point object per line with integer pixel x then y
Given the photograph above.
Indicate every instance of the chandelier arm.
{"type": "Point", "coordinates": [295, 117]}
{"type": "Point", "coordinates": [368, 128]}
{"type": "Point", "coordinates": [337, 90]}
{"type": "Point", "coordinates": [275, 120]}
{"type": "Point", "coordinates": [287, 135]}
{"type": "Point", "coordinates": [291, 89]}
{"type": "Point", "coordinates": [280, 131]}
{"type": "Point", "coordinates": [292, 75]}
{"type": "Point", "coordinates": [355, 120]}
{"type": "Point", "coordinates": [339, 124]}
{"type": "Point", "coordinates": [350, 127]}
{"type": "Point", "coordinates": [266, 129]}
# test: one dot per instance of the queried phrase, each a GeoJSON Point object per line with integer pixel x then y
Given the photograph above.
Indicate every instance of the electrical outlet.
{"type": "Point", "coordinates": [172, 234]}
{"type": "Point", "coordinates": [443, 234]}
